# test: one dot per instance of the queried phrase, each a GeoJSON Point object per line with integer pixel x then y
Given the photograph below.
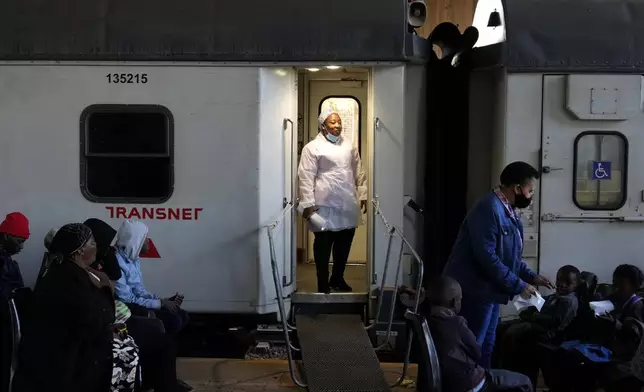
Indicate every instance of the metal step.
{"type": "Point", "coordinates": [338, 355]}
{"type": "Point", "coordinates": [333, 298]}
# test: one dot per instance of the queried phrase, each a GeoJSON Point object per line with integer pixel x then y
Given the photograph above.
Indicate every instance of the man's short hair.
{"type": "Point", "coordinates": [518, 173]}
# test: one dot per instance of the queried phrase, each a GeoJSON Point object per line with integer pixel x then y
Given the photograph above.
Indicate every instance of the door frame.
{"type": "Point", "coordinates": [364, 74]}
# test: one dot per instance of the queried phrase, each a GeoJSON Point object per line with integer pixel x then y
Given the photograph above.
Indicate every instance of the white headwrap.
{"type": "Point", "coordinates": [50, 236]}
{"type": "Point", "coordinates": [323, 116]}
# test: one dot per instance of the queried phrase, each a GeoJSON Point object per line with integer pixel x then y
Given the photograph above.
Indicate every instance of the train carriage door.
{"type": "Point", "coordinates": [592, 205]}
{"type": "Point", "coordinates": [344, 91]}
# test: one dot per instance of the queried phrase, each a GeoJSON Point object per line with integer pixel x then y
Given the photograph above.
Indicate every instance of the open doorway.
{"type": "Point", "coordinates": [345, 91]}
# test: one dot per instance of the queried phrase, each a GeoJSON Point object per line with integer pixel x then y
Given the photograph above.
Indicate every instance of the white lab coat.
{"type": "Point", "coordinates": [332, 179]}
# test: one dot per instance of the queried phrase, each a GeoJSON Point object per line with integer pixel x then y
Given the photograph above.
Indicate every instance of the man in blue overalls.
{"type": "Point", "coordinates": [486, 258]}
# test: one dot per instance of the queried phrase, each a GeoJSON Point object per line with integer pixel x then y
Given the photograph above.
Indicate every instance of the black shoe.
{"type": "Point", "coordinates": [340, 285]}
{"type": "Point", "coordinates": [183, 387]}
{"type": "Point", "coordinates": [324, 289]}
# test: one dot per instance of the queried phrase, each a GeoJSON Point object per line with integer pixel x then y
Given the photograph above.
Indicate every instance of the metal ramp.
{"type": "Point", "coordinates": [338, 355]}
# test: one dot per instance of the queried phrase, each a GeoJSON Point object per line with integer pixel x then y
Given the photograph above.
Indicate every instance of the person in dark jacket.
{"type": "Point", "coordinates": [14, 231]}
{"type": "Point", "coordinates": [520, 342]}
{"type": "Point", "coordinates": [157, 349]}
{"type": "Point", "coordinates": [458, 352]}
{"type": "Point", "coordinates": [68, 345]}
{"type": "Point", "coordinates": [610, 346]}
{"type": "Point", "coordinates": [486, 257]}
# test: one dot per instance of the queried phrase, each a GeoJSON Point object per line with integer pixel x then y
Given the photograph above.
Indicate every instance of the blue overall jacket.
{"type": "Point", "coordinates": [486, 258]}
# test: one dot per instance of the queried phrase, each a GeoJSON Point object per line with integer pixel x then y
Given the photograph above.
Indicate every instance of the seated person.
{"type": "Point", "coordinates": [637, 363]}
{"type": "Point", "coordinates": [131, 241]}
{"type": "Point", "coordinates": [14, 231]}
{"type": "Point", "coordinates": [629, 376]}
{"type": "Point", "coordinates": [157, 350]}
{"type": "Point", "coordinates": [458, 352]}
{"type": "Point", "coordinates": [519, 342]}
{"type": "Point", "coordinates": [47, 257]}
{"type": "Point", "coordinates": [68, 345]}
{"type": "Point", "coordinates": [613, 339]}
{"type": "Point", "coordinates": [627, 279]}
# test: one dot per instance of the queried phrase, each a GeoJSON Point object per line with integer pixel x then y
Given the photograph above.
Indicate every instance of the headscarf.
{"type": "Point", "coordinates": [47, 258]}
{"type": "Point", "coordinates": [105, 254]}
{"type": "Point", "coordinates": [49, 237]}
{"type": "Point", "coordinates": [323, 116]}
{"type": "Point", "coordinates": [130, 239]}
{"type": "Point", "coordinates": [70, 239]}
{"type": "Point", "coordinates": [103, 234]}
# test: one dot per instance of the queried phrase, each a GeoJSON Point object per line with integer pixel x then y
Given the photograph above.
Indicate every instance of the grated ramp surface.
{"type": "Point", "coordinates": [338, 355]}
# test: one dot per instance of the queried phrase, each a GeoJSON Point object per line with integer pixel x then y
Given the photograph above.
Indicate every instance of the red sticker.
{"type": "Point", "coordinates": [152, 252]}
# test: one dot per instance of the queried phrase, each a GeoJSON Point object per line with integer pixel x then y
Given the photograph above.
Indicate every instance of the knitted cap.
{"type": "Point", "coordinates": [15, 224]}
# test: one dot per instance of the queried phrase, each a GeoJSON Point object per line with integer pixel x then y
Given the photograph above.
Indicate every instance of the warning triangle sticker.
{"type": "Point", "coordinates": [152, 252]}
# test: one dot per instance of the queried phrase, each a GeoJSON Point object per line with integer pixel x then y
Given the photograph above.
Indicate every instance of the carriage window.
{"type": "Point", "coordinates": [126, 153]}
{"type": "Point", "coordinates": [600, 170]}
{"type": "Point", "coordinates": [348, 108]}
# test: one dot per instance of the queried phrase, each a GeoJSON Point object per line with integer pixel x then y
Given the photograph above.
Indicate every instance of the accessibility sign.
{"type": "Point", "coordinates": [601, 170]}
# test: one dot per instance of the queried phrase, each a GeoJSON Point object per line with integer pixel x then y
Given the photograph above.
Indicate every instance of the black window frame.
{"type": "Point", "coordinates": [624, 185]}
{"type": "Point", "coordinates": [359, 117]}
{"type": "Point", "coordinates": [84, 153]}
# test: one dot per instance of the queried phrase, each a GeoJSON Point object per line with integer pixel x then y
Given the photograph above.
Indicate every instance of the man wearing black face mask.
{"type": "Point", "coordinates": [14, 231]}
{"type": "Point", "coordinates": [486, 257]}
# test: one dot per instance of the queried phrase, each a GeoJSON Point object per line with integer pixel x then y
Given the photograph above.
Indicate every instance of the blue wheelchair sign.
{"type": "Point", "coordinates": [601, 170]}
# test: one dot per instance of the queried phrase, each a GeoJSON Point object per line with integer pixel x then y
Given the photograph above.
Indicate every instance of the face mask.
{"type": "Point", "coordinates": [332, 138]}
{"type": "Point", "coordinates": [12, 248]}
{"type": "Point", "coordinates": [521, 201]}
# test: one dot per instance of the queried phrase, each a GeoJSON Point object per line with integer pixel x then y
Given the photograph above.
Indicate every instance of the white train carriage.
{"type": "Point", "coordinates": [193, 125]}
{"type": "Point", "coordinates": [560, 86]}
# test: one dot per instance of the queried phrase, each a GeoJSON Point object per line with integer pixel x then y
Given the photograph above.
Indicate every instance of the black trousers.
{"type": "Point", "coordinates": [156, 352]}
{"type": "Point", "coordinates": [326, 242]}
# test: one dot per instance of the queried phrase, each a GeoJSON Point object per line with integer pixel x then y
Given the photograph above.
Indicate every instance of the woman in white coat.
{"type": "Point", "coordinates": [333, 186]}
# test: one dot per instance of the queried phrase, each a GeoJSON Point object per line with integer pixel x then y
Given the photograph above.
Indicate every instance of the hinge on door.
{"type": "Point", "coordinates": [284, 203]}
{"type": "Point", "coordinates": [283, 281]}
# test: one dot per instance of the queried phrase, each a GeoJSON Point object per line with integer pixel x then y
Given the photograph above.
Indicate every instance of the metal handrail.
{"type": "Point", "coordinates": [419, 276]}
{"type": "Point", "coordinates": [280, 297]}
{"type": "Point", "coordinates": [293, 196]}
{"type": "Point", "coordinates": [288, 206]}
{"type": "Point", "coordinates": [392, 230]}
{"type": "Point", "coordinates": [271, 246]}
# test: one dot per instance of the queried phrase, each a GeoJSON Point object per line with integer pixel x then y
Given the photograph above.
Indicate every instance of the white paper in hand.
{"type": "Point", "coordinates": [602, 307]}
{"type": "Point", "coordinates": [535, 300]}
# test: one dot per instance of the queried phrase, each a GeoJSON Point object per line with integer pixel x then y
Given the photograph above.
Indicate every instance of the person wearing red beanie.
{"type": "Point", "coordinates": [14, 231]}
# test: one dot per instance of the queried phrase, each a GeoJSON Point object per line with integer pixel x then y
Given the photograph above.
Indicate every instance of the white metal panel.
{"type": "Point", "coordinates": [590, 240]}
{"type": "Point", "coordinates": [214, 260]}
{"type": "Point", "coordinates": [388, 159]}
{"type": "Point", "coordinates": [277, 101]}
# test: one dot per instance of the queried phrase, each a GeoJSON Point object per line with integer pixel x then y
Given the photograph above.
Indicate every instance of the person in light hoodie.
{"type": "Point", "coordinates": [131, 241]}
{"type": "Point", "coordinates": [334, 186]}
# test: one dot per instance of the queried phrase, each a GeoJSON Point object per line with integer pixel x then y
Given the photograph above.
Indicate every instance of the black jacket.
{"type": "Point", "coordinates": [457, 349]}
{"type": "Point", "coordinates": [10, 275]}
{"type": "Point", "coordinates": [67, 346]}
